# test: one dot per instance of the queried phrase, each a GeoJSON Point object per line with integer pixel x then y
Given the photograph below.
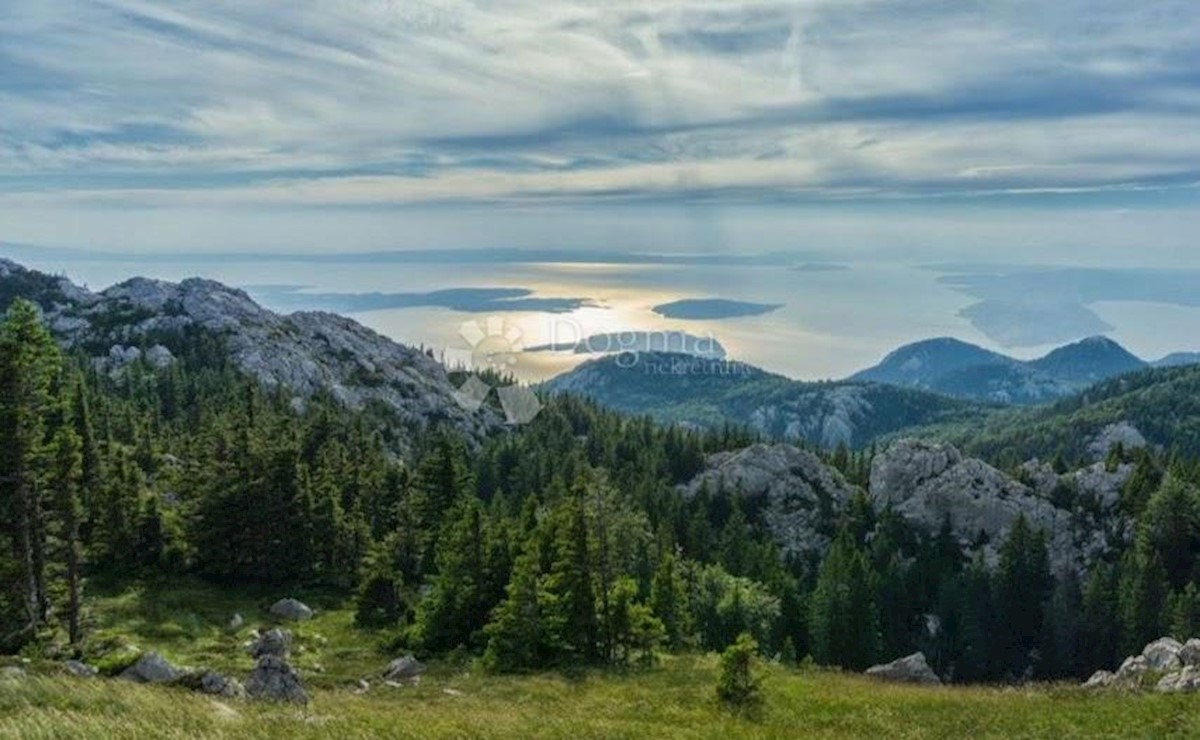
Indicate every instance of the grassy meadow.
{"type": "Point", "coordinates": [188, 622]}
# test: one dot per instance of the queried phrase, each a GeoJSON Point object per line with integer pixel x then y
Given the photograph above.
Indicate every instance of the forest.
{"type": "Point", "coordinates": [565, 542]}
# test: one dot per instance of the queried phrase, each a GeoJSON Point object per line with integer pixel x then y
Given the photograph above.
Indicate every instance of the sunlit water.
{"type": "Point", "coordinates": [831, 323]}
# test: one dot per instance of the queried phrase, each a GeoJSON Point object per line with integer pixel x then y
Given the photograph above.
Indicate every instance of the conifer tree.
{"type": "Point", "coordinates": [29, 361]}
{"type": "Point", "coordinates": [843, 620]}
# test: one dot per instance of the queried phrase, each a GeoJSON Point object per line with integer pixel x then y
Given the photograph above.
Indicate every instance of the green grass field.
{"type": "Point", "coordinates": [674, 699]}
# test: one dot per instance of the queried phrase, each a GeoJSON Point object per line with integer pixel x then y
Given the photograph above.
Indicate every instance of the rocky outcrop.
{"type": "Point", "coordinates": [151, 668]}
{"type": "Point", "coordinates": [1185, 679]}
{"type": "Point", "coordinates": [405, 669]}
{"type": "Point", "coordinates": [1165, 663]}
{"type": "Point", "coordinates": [910, 669]}
{"type": "Point", "coordinates": [802, 494]}
{"type": "Point", "coordinates": [1163, 654]}
{"type": "Point", "coordinates": [1121, 433]}
{"type": "Point", "coordinates": [291, 610]}
{"type": "Point", "coordinates": [273, 679]}
{"type": "Point", "coordinates": [928, 482]}
{"type": "Point", "coordinates": [305, 353]}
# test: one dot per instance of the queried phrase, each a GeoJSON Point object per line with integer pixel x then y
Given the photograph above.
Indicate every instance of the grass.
{"type": "Point", "coordinates": [186, 621]}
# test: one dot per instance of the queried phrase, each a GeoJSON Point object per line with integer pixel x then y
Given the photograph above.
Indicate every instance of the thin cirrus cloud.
{"type": "Point", "coordinates": [380, 102]}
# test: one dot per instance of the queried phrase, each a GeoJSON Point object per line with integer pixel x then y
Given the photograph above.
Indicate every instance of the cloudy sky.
{"type": "Point", "coordinates": [1065, 130]}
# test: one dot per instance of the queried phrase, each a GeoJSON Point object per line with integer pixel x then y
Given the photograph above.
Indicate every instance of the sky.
{"type": "Point", "coordinates": [1065, 132]}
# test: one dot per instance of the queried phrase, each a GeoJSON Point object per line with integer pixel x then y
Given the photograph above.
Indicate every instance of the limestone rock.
{"type": "Point", "coordinates": [1163, 654]}
{"type": "Point", "coordinates": [236, 622]}
{"type": "Point", "coordinates": [1185, 679]}
{"type": "Point", "coordinates": [1189, 654]}
{"type": "Point", "coordinates": [291, 610]}
{"type": "Point", "coordinates": [275, 641]}
{"type": "Point", "coordinates": [404, 669]}
{"type": "Point", "coordinates": [1122, 433]}
{"type": "Point", "coordinates": [927, 482]}
{"type": "Point", "coordinates": [802, 493]}
{"type": "Point", "coordinates": [1101, 680]}
{"type": "Point", "coordinates": [273, 679]}
{"type": "Point", "coordinates": [151, 668]}
{"type": "Point", "coordinates": [79, 669]}
{"type": "Point", "coordinates": [910, 669]}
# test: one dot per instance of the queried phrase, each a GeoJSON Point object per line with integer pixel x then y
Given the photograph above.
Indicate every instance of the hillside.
{"type": "Point", "coordinates": [706, 393]}
{"type": "Point", "coordinates": [963, 370]}
{"type": "Point", "coordinates": [1163, 404]}
{"type": "Point", "coordinates": [302, 354]}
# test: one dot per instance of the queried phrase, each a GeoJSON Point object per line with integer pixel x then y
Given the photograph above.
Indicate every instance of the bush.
{"type": "Point", "coordinates": [737, 686]}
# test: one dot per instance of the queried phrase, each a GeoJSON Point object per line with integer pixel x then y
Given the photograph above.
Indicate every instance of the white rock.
{"type": "Point", "coordinates": [1163, 654]}
{"type": "Point", "coordinates": [910, 669]}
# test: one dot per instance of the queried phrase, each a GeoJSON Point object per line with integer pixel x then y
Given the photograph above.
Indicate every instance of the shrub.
{"type": "Point", "coordinates": [737, 686]}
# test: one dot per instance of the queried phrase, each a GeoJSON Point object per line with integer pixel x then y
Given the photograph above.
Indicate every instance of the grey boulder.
{"type": "Point", "coordinates": [274, 641]}
{"type": "Point", "coordinates": [1163, 654]}
{"type": "Point", "coordinates": [909, 669]}
{"type": "Point", "coordinates": [273, 679]}
{"type": "Point", "coordinates": [404, 669]}
{"type": "Point", "coordinates": [291, 610]}
{"type": "Point", "coordinates": [1185, 679]}
{"type": "Point", "coordinates": [79, 669]}
{"type": "Point", "coordinates": [151, 668]}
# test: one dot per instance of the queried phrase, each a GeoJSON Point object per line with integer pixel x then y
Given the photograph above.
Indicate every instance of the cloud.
{"type": "Point", "coordinates": [389, 102]}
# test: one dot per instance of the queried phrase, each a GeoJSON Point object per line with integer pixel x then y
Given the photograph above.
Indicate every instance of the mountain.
{"type": "Point", "coordinates": [922, 364]}
{"type": "Point", "coordinates": [710, 393]}
{"type": "Point", "coordinates": [964, 370]}
{"type": "Point", "coordinates": [1176, 359]}
{"type": "Point", "coordinates": [303, 353]}
{"type": "Point", "coordinates": [1088, 361]}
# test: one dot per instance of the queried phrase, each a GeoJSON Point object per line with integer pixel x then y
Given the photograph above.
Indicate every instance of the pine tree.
{"type": "Point", "coordinates": [29, 361]}
{"type": "Point", "coordinates": [667, 599]}
{"type": "Point", "coordinates": [570, 581]}
{"type": "Point", "coordinates": [1022, 587]}
{"type": "Point", "coordinates": [66, 480]}
{"type": "Point", "coordinates": [843, 620]}
{"type": "Point", "coordinates": [454, 611]}
{"type": "Point", "coordinates": [517, 638]}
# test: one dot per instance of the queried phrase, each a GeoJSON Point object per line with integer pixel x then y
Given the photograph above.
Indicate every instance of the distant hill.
{"type": "Point", "coordinates": [711, 393]}
{"type": "Point", "coordinates": [963, 370]}
{"type": "Point", "coordinates": [1163, 404]}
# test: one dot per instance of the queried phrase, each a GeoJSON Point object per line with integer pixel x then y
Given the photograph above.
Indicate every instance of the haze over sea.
{"type": "Point", "coordinates": [832, 319]}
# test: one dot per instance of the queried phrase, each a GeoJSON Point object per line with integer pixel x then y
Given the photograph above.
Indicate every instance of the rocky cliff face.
{"type": "Point", "coordinates": [801, 498]}
{"type": "Point", "coordinates": [802, 495]}
{"type": "Point", "coordinates": [927, 483]}
{"type": "Point", "coordinates": [304, 353]}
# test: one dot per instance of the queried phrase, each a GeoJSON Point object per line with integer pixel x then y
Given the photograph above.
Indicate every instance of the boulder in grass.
{"type": "Point", "coordinates": [214, 684]}
{"type": "Point", "coordinates": [151, 668]}
{"type": "Point", "coordinates": [1101, 680]}
{"type": "Point", "coordinates": [291, 610]}
{"type": "Point", "coordinates": [273, 679]}
{"type": "Point", "coordinates": [79, 669]}
{"type": "Point", "coordinates": [405, 669]}
{"type": "Point", "coordinates": [1185, 679]}
{"type": "Point", "coordinates": [909, 669]}
{"type": "Point", "coordinates": [274, 641]}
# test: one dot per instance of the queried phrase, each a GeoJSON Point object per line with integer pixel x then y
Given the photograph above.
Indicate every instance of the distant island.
{"type": "Point", "coordinates": [820, 267]}
{"type": "Point", "coordinates": [694, 309]}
